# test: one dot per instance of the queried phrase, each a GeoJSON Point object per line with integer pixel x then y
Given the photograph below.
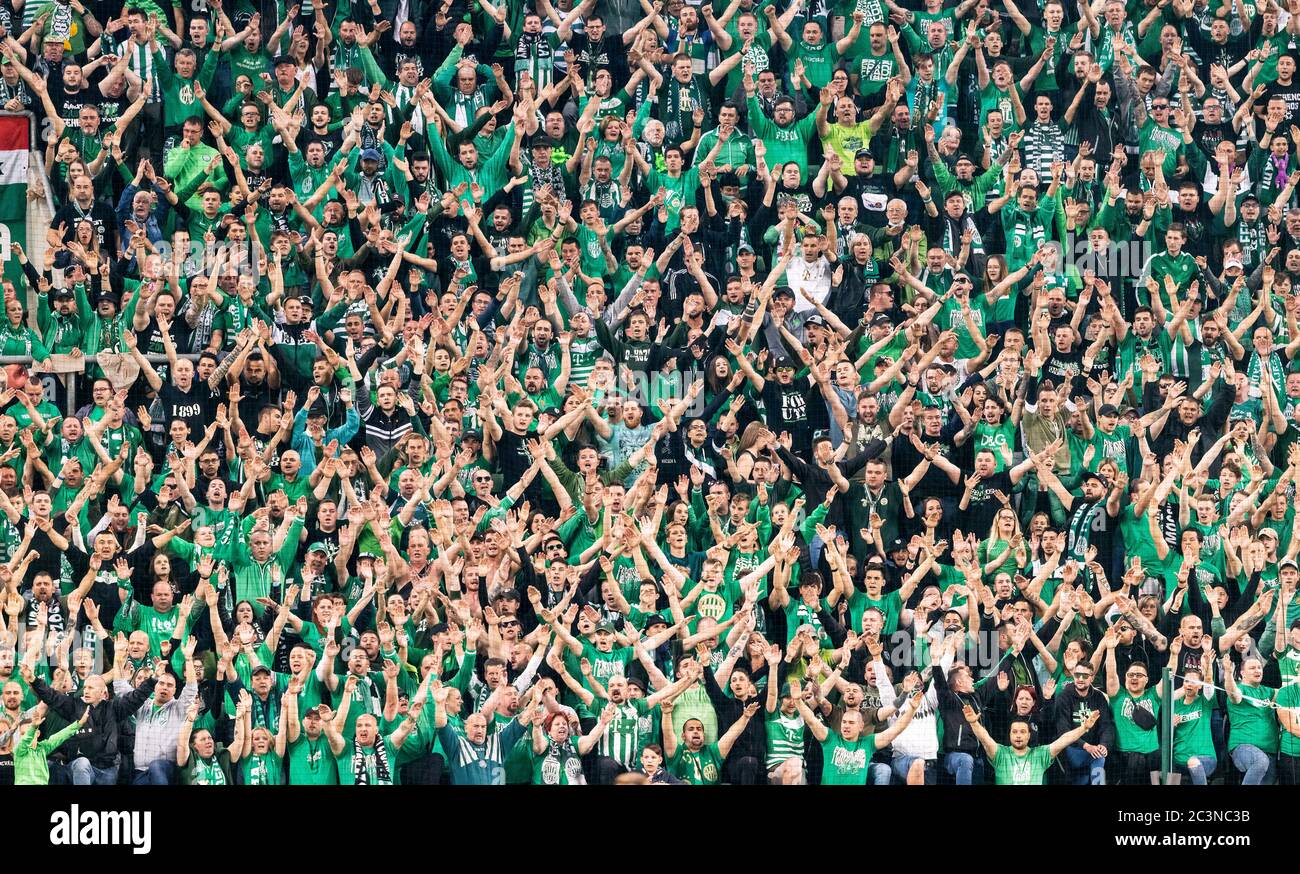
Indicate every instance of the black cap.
{"type": "Point", "coordinates": [542, 141]}
{"type": "Point", "coordinates": [1108, 410]}
{"type": "Point", "coordinates": [62, 294]}
{"type": "Point", "coordinates": [783, 361]}
{"type": "Point", "coordinates": [863, 153]}
{"type": "Point", "coordinates": [317, 409]}
{"type": "Point", "coordinates": [783, 291]}
{"type": "Point", "coordinates": [472, 434]}
{"type": "Point", "coordinates": [111, 296]}
{"type": "Point", "coordinates": [259, 669]}
{"type": "Point", "coordinates": [1092, 474]}
{"type": "Point", "coordinates": [964, 157]}
{"type": "Point", "coordinates": [881, 320]}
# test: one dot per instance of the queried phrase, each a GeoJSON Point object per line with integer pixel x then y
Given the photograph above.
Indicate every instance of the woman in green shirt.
{"type": "Point", "coordinates": [203, 761]}
{"type": "Point", "coordinates": [261, 758]}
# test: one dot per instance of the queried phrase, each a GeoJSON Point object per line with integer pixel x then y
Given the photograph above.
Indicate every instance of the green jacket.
{"type": "Point", "coordinates": [31, 763]}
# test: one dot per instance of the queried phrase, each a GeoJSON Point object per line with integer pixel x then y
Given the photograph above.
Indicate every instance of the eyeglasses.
{"type": "Point", "coordinates": [1160, 106]}
{"type": "Point", "coordinates": [1082, 675]}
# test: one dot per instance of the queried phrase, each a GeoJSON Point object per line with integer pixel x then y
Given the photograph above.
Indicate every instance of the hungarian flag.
{"type": "Point", "coordinates": [14, 147]}
{"type": "Point", "coordinates": [14, 170]}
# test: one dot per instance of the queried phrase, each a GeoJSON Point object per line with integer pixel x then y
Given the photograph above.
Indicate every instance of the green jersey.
{"type": "Point", "coordinates": [1021, 769]}
{"type": "Point", "coordinates": [623, 738]}
{"type": "Point", "coordinates": [702, 767]}
{"type": "Point", "coordinates": [784, 738]}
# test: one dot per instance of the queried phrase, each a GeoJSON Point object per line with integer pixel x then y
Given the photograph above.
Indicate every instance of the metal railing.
{"type": "Point", "coordinates": [59, 367]}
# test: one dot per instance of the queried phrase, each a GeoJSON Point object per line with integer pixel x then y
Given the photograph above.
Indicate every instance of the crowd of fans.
{"type": "Point", "coordinates": [630, 391]}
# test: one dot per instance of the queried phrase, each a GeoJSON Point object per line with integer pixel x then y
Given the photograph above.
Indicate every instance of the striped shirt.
{"type": "Point", "coordinates": [140, 62]}
{"type": "Point", "coordinates": [784, 738]}
{"type": "Point", "coordinates": [623, 739]}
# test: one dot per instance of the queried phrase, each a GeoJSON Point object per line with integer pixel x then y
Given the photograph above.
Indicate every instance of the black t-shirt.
{"type": "Point", "coordinates": [513, 457]}
{"type": "Point", "coordinates": [786, 409]}
{"type": "Point", "coordinates": [330, 141]}
{"type": "Point", "coordinates": [1289, 93]}
{"type": "Point", "coordinates": [984, 504]}
{"type": "Point", "coordinates": [1208, 137]}
{"type": "Point", "coordinates": [191, 406]}
{"type": "Point", "coordinates": [1061, 366]}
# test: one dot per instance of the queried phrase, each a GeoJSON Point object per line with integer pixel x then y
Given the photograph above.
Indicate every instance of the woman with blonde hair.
{"type": "Point", "coordinates": [1003, 551]}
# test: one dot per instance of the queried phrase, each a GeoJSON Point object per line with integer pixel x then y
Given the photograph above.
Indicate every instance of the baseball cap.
{"type": "Point", "coordinates": [783, 361]}
{"type": "Point", "coordinates": [371, 155]}
{"type": "Point", "coordinates": [1229, 263]}
{"type": "Point", "coordinates": [881, 320]}
{"type": "Point", "coordinates": [863, 153]}
{"type": "Point", "coordinates": [605, 626]}
{"type": "Point", "coordinates": [1092, 474]}
{"type": "Point", "coordinates": [1288, 562]}
{"type": "Point", "coordinates": [655, 619]}
{"type": "Point", "coordinates": [783, 291]}
{"type": "Point", "coordinates": [542, 141]}
{"type": "Point", "coordinates": [471, 434]}
{"type": "Point", "coordinates": [1108, 410]}
{"type": "Point", "coordinates": [745, 247]}
{"type": "Point", "coordinates": [260, 669]}
{"type": "Point", "coordinates": [318, 546]}
{"type": "Point", "coordinates": [815, 319]}
{"type": "Point", "coordinates": [62, 294]}
{"type": "Point", "coordinates": [964, 157]}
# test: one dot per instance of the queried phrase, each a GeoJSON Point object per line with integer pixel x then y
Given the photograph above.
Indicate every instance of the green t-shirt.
{"type": "Point", "coordinates": [263, 770]}
{"type": "Point", "coordinates": [1289, 698]}
{"type": "Point", "coordinates": [1027, 769]}
{"type": "Point", "coordinates": [346, 774]}
{"type": "Point", "coordinates": [1130, 737]}
{"type": "Point", "coordinates": [312, 763]}
{"type": "Point", "coordinates": [845, 763]}
{"type": "Point", "coordinates": [1192, 735]}
{"type": "Point", "coordinates": [890, 604]}
{"type": "Point", "coordinates": [1252, 720]}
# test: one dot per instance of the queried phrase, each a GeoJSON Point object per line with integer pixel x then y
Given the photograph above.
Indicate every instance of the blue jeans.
{"type": "Point", "coordinates": [902, 764]}
{"type": "Point", "coordinates": [1083, 768]}
{"type": "Point", "coordinates": [1199, 768]}
{"type": "Point", "coordinates": [966, 770]}
{"type": "Point", "coordinates": [86, 774]}
{"type": "Point", "coordinates": [160, 772]}
{"type": "Point", "coordinates": [879, 774]}
{"type": "Point", "coordinates": [1257, 767]}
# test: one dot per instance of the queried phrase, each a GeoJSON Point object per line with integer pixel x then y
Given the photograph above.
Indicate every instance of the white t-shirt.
{"type": "Point", "coordinates": [813, 277]}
